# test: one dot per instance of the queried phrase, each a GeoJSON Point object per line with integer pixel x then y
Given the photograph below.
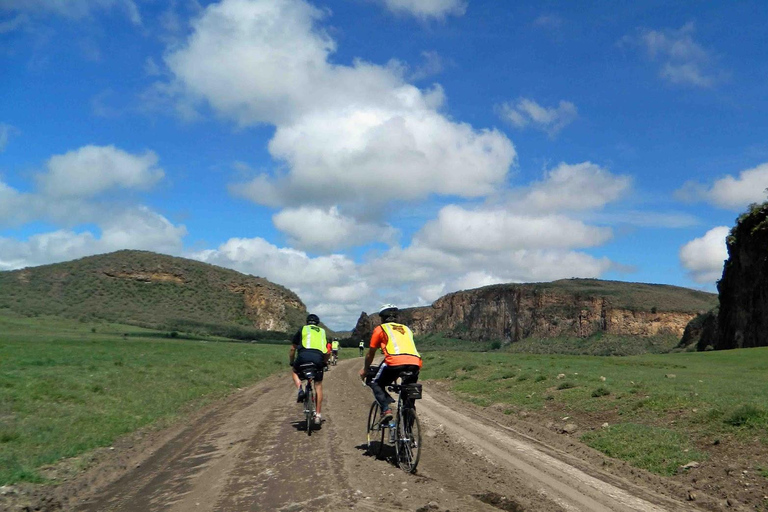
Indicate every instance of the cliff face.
{"type": "Point", "coordinates": [743, 317]}
{"type": "Point", "coordinates": [515, 312]}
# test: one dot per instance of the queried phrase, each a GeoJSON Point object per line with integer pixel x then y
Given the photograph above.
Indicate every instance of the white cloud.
{"type": "Point", "coordinates": [704, 257]}
{"type": "Point", "coordinates": [91, 170]}
{"type": "Point", "coordinates": [138, 228]}
{"type": "Point", "coordinates": [6, 131]}
{"type": "Point", "coordinates": [577, 187]}
{"type": "Point", "coordinates": [731, 193]}
{"type": "Point", "coordinates": [321, 229]}
{"type": "Point", "coordinates": [72, 8]}
{"type": "Point", "coordinates": [526, 112]}
{"type": "Point", "coordinates": [340, 129]}
{"type": "Point", "coordinates": [492, 230]}
{"type": "Point", "coordinates": [427, 8]}
{"type": "Point", "coordinates": [683, 61]}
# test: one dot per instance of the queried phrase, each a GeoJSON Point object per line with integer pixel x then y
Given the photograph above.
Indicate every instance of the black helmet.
{"type": "Point", "coordinates": [388, 311]}
{"type": "Point", "coordinates": [313, 319]}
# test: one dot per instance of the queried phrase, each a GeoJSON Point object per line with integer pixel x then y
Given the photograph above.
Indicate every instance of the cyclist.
{"type": "Point", "coordinates": [400, 354]}
{"type": "Point", "coordinates": [310, 343]}
{"type": "Point", "coordinates": [362, 347]}
{"type": "Point", "coordinates": [335, 349]}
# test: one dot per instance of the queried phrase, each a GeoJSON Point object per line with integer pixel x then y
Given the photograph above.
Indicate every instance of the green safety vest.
{"type": "Point", "coordinates": [313, 337]}
{"type": "Point", "coordinates": [334, 345]}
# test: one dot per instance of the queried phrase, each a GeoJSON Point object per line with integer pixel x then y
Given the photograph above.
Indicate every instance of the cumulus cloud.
{"type": "Point", "coordinates": [91, 170]}
{"type": "Point", "coordinates": [571, 187]}
{"type": "Point", "coordinates": [338, 288]}
{"type": "Point", "coordinates": [682, 60]}
{"type": "Point", "coordinates": [703, 257]}
{"type": "Point", "coordinates": [327, 229]}
{"type": "Point", "coordinates": [494, 230]}
{"type": "Point", "coordinates": [72, 8]}
{"type": "Point", "coordinates": [137, 228]}
{"type": "Point", "coordinates": [427, 8]}
{"type": "Point", "coordinates": [526, 112]}
{"type": "Point", "coordinates": [340, 129]}
{"type": "Point", "coordinates": [731, 193]}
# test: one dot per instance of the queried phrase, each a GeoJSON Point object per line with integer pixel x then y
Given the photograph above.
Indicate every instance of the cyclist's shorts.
{"type": "Point", "coordinates": [310, 356]}
{"type": "Point", "coordinates": [335, 352]}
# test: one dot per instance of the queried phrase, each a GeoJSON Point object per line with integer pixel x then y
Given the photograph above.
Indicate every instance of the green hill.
{"type": "Point", "coordinates": [154, 290]}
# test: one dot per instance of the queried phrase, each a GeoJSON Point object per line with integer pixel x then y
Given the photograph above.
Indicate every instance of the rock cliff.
{"type": "Point", "coordinates": [570, 308]}
{"type": "Point", "coordinates": [742, 320]}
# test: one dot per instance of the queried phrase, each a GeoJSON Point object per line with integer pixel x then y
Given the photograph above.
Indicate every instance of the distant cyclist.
{"type": "Point", "coordinates": [311, 345]}
{"type": "Point", "coordinates": [400, 354]}
{"type": "Point", "coordinates": [335, 349]}
{"type": "Point", "coordinates": [362, 347]}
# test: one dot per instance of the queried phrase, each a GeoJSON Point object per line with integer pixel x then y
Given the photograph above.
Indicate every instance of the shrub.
{"type": "Point", "coordinates": [566, 385]}
{"type": "Point", "coordinates": [746, 415]}
{"type": "Point", "coordinates": [601, 391]}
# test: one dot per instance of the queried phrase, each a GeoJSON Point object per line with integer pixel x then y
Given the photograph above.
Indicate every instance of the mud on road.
{"type": "Point", "coordinates": [250, 452]}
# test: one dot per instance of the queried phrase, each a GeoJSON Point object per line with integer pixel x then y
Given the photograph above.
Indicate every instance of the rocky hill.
{"type": "Point", "coordinates": [742, 320]}
{"type": "Point", "coordinates": [565, 308]}
{"type": "Point", "coordinates": [153, 290]}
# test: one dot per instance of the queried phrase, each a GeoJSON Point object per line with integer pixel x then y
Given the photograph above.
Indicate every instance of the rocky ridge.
{"type": "Point", "coordinates": [571, 308]}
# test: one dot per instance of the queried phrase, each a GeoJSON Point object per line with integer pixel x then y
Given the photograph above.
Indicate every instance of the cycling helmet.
{"type": "Point", "coordinates": [313, 319]}
{"type": "Point", "coordinates": [387, 310]}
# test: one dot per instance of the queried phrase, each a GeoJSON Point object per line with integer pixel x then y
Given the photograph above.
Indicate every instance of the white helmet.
{"type": "Point", "coordinates": [388, 308]}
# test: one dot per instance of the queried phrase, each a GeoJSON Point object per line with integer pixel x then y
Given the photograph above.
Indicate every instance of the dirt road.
{"type": "Point", "coordinates": [249, 453]}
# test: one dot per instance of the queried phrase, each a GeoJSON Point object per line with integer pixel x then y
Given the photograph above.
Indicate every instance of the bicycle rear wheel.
{"type": "Point", "coordinates": [375, 431]}
{"type": "Point", "coordinates": [309, 406]}
{"type": "Point", "coordinates": [408, 444]}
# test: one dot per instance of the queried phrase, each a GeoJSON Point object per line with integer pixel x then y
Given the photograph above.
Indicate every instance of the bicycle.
{"type": "Point", "coordinates": [334, 358]}
{"type": "Point", "coordinates": [308, 372]}
{"type": "Point", "coordinates": [405, 433]}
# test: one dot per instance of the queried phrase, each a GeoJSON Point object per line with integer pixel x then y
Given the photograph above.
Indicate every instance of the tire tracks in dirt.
{"type": "Point", "coordinates": [248, 453]}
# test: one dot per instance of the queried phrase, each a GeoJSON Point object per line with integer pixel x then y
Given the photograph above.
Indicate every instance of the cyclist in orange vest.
{"type": "Point", "coordinates": [400, 354]}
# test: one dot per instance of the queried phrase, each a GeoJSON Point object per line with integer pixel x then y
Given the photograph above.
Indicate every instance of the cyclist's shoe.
{"type": "Point", "coordinates": [386, 416]}
{"type": "Point", "coordinates": [318, 419]}
{"type": "Point", "coordinates": [301, 396]}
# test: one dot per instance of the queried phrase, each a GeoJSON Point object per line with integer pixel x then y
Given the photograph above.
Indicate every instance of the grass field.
{"type": "Point", "coordinates": [663, 409]}
{"type": "Point", "coordinates": [67, 387]}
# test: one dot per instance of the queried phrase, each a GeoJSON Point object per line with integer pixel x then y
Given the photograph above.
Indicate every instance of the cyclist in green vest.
{"type": "Point", "coordinates": [335, 350]}
{"type": "Point", "coordinates": [309, 346]}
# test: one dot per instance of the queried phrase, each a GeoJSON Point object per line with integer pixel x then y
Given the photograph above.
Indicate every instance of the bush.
{"type": "Point", "coordinates": [601, 391]}
{"type": "Point", "coordinates": [566, 385]}
{"type": "Point", "coordinates": [746, 415]}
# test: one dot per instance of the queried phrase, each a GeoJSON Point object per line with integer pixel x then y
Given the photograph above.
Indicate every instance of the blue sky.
{"type": "Point", "coordinates": [370, 151]}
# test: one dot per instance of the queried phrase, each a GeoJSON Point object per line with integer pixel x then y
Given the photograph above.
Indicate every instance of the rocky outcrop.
{"type": "Point", "coordinates": [743, 317]}
{"type": "Point", "coordinates": [574, 308]}
{"type": "Point", "coordinates": [267, 307]}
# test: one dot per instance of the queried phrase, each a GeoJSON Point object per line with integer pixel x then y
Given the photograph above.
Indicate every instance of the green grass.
{"type": "Point", "coordinates": [600, 344]}
{"type": "Point", "coordinates": [65, 389]}
{"type": "Point", "coordinates": [697, 396]}
{"type": "Point", "coordinates": [656, 449]}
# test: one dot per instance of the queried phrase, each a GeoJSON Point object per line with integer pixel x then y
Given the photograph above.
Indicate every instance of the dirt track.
{"type": "Point", "coordinates": [249, 453]}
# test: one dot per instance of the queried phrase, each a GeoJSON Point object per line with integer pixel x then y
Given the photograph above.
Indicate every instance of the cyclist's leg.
{"type": "Point", "coordinates": [379, 383]}
{"type": "Point", "coordinates": [319, 386]}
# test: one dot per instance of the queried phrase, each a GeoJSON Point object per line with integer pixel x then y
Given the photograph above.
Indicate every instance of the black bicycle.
{"type": "Point", "coordinates": [308, 372]}
{"type": "Point", "coordinates": [404, 432]}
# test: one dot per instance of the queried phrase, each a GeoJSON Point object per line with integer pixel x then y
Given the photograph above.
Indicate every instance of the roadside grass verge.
{"type": "Point", "coordinates": [68, 387]}
{"type": "Point", "coordinates": [660, 407]}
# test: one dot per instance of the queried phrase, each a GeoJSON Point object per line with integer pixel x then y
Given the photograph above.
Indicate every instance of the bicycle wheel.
{"type": "Point", "coordinates": [309, 406]}
{"type": "Point", "coordinates": [408, 444]}
{"type": "Point", "coordinates": [375, 431]}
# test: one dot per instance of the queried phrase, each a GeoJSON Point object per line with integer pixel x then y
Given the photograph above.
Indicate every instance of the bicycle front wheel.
{"type": "Point", "coordinates": [408, 444]}
{"type": "Point", "coordinates": [375, 431]}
